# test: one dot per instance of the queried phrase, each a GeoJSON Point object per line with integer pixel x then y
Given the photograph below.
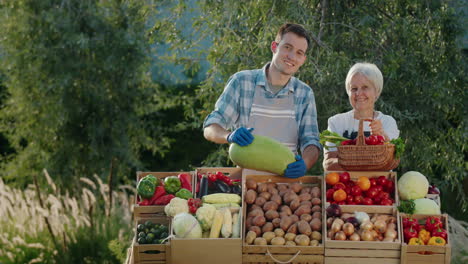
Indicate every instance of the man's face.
{"type": "Point", "coordinates": [289, 53]}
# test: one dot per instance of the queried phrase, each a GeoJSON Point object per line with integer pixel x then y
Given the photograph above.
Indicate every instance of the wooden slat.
{"type": "Point", "coordinates": [283, 249]}
{"type": "Point", "coordinates": [341, 252]}
{"type": "Point", "coordinates": [254, 258]}
{"type": "Point", "coordinates": [346, 260]}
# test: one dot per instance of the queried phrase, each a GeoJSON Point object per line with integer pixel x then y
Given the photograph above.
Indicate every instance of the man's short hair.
{"type": "Point", "coordinates": [294, 28]}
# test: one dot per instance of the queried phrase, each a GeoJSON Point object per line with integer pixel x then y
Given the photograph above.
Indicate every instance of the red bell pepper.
{"type": "Point", "coordinates": [185, 181]}
{"type": "Point", "coordinates": [440, 232]}
{"type": "Point", "coordinates": [160, 191]}
{"type": "Point", "coordinates": [432, 223]}
{"type": "Point", "coordinates": [165, 199]}
{"type": "Point", "coordinates": [144, 202]}
{"type": "Point", "coordinates": [409, 233]}
{"type": "Point", "coordinates": [411, 222]}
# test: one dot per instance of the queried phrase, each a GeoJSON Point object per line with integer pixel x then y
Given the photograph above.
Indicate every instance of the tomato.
{"type": "Point", "coordinates": [358, 199]}
{"type": "Point", "coordinates": [373, 182]}
{"type": "Point", "coordinates": [364, 183]}
{"type": "Point", "coordinates": [379, 188]}
{"type": "Point", "coordinates": [347, 190]}
{"type": "Point", "coordinates": [386, 201]}
{"type": "Point", "coordinates": [372, 192]}
{"type": "Point", "coordinates": [330, 194]}
{"type": "Point", "coordinates": [389, 186]}
{"type": "Point", "coordinates": [367, 201]}
{"type": "Point", "coordinates": [349, 199]}
{"type": "Point", "coordinates": [355, 190]}
{"type": "Point", "coordinates": [339, 185]}
{"type": "Point", "coordinates": [339, 195]}
{"type": "Point", "coordinates": [344, 177]}
{"type": "Point", "coordinates": [382, 180]}
{"type": "Point", "coordinates": [332, 178]}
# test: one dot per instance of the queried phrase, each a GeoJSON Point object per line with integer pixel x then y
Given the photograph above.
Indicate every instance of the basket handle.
{"type": "Point", "coordinates": [360, 140]}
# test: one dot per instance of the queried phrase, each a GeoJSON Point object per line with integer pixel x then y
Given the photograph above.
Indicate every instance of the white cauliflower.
{"type": "Point", "coordinates": [426, 206]}
{"type": "Point", "coordinates": [412, 185]}
{"type": "Point", "coordinates": [176, 206]}
{"type": "Point", "coordinates": [205, 215]}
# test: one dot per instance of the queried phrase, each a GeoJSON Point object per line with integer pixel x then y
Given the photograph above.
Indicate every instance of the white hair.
{"type": "Point", "coordinates": [370, 71]}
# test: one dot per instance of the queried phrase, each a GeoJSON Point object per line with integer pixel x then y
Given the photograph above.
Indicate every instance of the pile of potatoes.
{"type": "Point", "coordinates": [283, 214]}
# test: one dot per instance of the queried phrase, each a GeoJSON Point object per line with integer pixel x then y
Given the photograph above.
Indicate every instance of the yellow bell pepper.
{"type": "Point", "coordinates": [415, 241]}
{"type": "Point", "coordinates": [424, 235]}
{"type": "Point", "coordinates": [436, 241]}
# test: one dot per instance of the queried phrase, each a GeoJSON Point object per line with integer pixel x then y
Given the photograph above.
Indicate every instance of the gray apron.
{"type": "Point", "coordinates": [275, 118]}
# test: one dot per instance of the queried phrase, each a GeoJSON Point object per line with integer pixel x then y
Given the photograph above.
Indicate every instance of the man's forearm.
{"type": "Point", "coordinates": [310, 155]}
{"type": "Point", "coordinates": [215, 133]}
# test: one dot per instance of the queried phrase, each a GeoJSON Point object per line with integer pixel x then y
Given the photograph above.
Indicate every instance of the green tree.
{"type": "Point", "coordinates": [80, 99]}
{"type": "Point", "coordinates": [412, 42]}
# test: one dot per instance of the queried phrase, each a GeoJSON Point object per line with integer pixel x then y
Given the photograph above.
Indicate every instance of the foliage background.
{"type": "Point", "coordinates": [110, 87]}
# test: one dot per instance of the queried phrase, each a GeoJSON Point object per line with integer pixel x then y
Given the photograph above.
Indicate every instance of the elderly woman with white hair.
{"type": "Point", "coordinates": [364, 84]}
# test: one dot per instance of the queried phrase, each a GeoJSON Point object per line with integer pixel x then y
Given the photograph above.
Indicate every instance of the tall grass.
{"type": "Point", "coordinates": [38, 226]}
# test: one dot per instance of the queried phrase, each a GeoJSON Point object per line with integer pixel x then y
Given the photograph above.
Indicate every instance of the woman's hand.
{"type": "Point", "coordinates": [377, 129]}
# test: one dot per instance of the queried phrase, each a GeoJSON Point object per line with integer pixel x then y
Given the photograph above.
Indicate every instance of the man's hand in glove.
{"type": "Point", "coordinates": [296, 169]}
{"type": "Point", "coordinates": [241, 136]}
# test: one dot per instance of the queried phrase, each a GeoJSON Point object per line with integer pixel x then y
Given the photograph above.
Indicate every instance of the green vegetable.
{"type": "Point", "coordinates": [172, 184]}
{"type": "Point", "coordinates": [332, 137]}
{"type": "Point", "coordinates": [264, 154]}
{"type": "Point", "coordinates": [412, 185]}
{"type": "Point", "coordinates": [153, 179]}
{"type": "Point", "coordinates": [217, 198]}
{"type": "Point", "coordinates": [184, 194]}
{"type": "Point", "coordinates": [426, 206]}
{"type": "Point", "coordinates": [399, 147]}
{"type": "Point", "coordinates": [406, 207]}
{"type": "Point", "coordinates": [145, 188]}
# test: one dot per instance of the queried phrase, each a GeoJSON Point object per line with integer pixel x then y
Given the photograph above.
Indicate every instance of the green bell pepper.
{"type": "Point", "coordinates": [172, 184]}
{"type": "Point", "coordinates": [145, 188]}
{"type": "Point", "coordinates": [184, 194]}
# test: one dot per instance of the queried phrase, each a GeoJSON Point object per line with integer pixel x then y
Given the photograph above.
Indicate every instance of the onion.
{"type": "Point", "coordinates": [340, 235]}
{"type": "Point", "coordinates": [367, 236]}
{"type": "Point", "coordinates": [361, 217]}
{"type": "Point", "coordinates": [380, 226]}
{"type": "Point", "coordinates": [355, 237]}
{"type": "Point", "coordinates": [353, 221]}
{"type": "Point", "coordinates": [348, 229]}
{"type": "Point", "coordinates": [391, 233]}
{"type": "Point", "coordinates": [367, 226]}
{"type": "Point", "coordinates": [333, 210]}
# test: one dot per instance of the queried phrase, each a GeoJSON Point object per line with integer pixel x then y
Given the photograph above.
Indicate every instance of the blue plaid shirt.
{"type": "Point", "coordinates": [232, 110]}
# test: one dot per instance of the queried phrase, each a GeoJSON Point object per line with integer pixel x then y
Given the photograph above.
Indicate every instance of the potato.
{"type": "Point", "coordinates": [316, 236]}
{"type": "Point", "coordinates": [251, 184]}
{"type": "Point", "coordinates": [265, 195]}
{"type": "Point", "coordinates": [250, 196]}
{"type": "Point", "coordinates": [305, 197]}
{"type": "Point", "coordinates": [314, 243]}
{"type": "Point", "coordinates": [306, 217]}
{"type": "Point", "coordinates": [273, 191]}
{"type": "Point", "coordinates": [289, 196]}
{"type": "Point", "coordinates": [256, 229]}
{"type": "Point", "coordinates": [282, 187]}
{"type": "Point", "coordinates": [305, 190]}
{"type": "Point", "coordinates": [278, 241]}
{"type": "Point", "coordinates": [295, 204]}
{"type": "Point", "coordinates": [304, 228]}
{"type": "Point", "coordinates": [253, 207]}
{"type": "Point", "coordinates": [303, 209]}
{"type": "Point", "coordinates": [260, 201]}
{"type": "Point", "coordinates": [316, 208]}
{"type": "Point", "coordinates": [316, 201]}
{"type": "Point", "coordinates": [258, 220]}
{"type": "Point", "coordinates": [255, 212]}
{"type": "Point", "coordinates": [250, 237]}
{"type": "Point", "coordinates": [248, 222]}
{"type": "Point", "coordinates": [279, 232]}
{"type": "Point", "coordinates": [292, 228]}
{"type": "Point", "coordinates": [315, 192]}
{"type": "Point", "coordinates": [260, 241]}
{"type": "Point", "coordinates": [270, 205]}
{"type": "Point", "coordinates": [271, 214]}
{"type": "Point", "coordinates": [271, 185]}
{"type": "Point", "coordinates": [316, 224]}
{"type": "Point", "coordinates": [268, 236]}
{"type": "Point", "coordinates": [286, 209]}
{"type": "Point", "coordinates": [262, 187]}
{"type": "Point", "coordinates": [290, 243]}
{"type": "Point", "coordinates": [276, 222]}
{"type": "Point", "coordinates": [295, 186]}
{"type": "Point", "coordinates": [308, 203]}
{"type": "Point", "coordinates": [267, 227]}
{"type": "Point", "coordinates": [302, 240]}
{"type": "Point", "coordinates": [317, 215]}
{"type": "Point", "coordinates": [285, 223]}
{"type": "Point", "coordinates": [295, 218]}
{"type": "Point", "coordinates": [276, 198]}
{"type": "Point", "coordinates": [289, 236]}
{"type": "Point", "coordinates": [283, 214]}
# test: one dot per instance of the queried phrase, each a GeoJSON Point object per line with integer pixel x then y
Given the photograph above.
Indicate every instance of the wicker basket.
{"type": "Point", "coordinates": [362, 157]}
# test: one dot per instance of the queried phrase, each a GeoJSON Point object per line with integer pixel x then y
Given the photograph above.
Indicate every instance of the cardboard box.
{"type": "Point", "coordinates": [155, 210]}
{"type": "Point", "coordinates": [282, 254]}
{"type": "Point", "coordinates": [151, 253]}
{"type": "Point", "coordinates": [425, 254]}
{"type": "Point", "coordinates": [369, 174]}
{"type": "Point", "coordinates": [364, 252]}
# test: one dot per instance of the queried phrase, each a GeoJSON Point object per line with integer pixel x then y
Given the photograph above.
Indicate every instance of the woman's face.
{"type": "Point", "coordinates": [363, 94]}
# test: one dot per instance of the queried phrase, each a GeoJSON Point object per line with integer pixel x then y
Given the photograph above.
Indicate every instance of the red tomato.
{"type": "Point", "coordinates": [386, 201]}
{"type": "Point", "coordinates": [341, 203]}
{"type": "Point", "coordinates": [339, 185]}
{"type": "Point", "coordinates": [349, 199]}
{"type": "Point", "coordinates": [389, 186]}
{"type": "Point", "coordinates": [355, 190]}
{"type": "Point", "coordinates": [379, 188]}
{"type": "Point", "coordinates": [377, 198]}
{"type": "Point", "coordinates": [372, 192]}
{"type": "Point", "coordinates": [330, 194]}
{"type": "Point", "coordinates": [347, 190]}
{"type": "Point", "coordinates": [373, 182]}
{"type": "Point", "coordinates": [344, 177]}
{"type": "Point", "coordinates": [367, 201]}
{"type": "Point", "coordinates": [382, 180]}
{"type": "Point", "coordinates": [358, 199]}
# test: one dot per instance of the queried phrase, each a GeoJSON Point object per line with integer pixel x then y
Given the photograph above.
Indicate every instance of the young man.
{"type": "Point", "coordinates": [271, 102]}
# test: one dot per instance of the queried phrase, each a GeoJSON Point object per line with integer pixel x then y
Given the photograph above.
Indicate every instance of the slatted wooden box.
{"type": "Point", "coordinates": [155, 210]}
{"type": "Point", "coordinates": [364, 252]}
{"type": "Point", "coordinates": [412, 254]}
{"type": "Point", "coordinates": [151, 253]}
{"type": "Point", "coordinates": [282, 254]}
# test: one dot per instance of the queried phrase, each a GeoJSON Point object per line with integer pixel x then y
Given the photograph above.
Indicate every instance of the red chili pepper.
{"type": "Point", "coordinates": [409, 233]}
{"type": "Point", "coordinates": [160, 191]}
{"type": "Point", "coordinates": [185, 181]}
{"type": "Point", "coordinates": [144, 202]}
{"type": "Point", "coordinates": [164, 200]}
{"type": "Point", "coordinates": [221, 176]}
{"type": "Point", "coordinates": [432, 223]}
{"type": "Point", "coordinates": [440, 232]}
{"type": "Point", "coordinates": [411, 222]}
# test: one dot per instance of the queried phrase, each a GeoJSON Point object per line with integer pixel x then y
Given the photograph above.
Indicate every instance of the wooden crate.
{"type": "Point", "coordinates": [151, 253]}
{"type": "Point", "coordinates": [155, 210]}
{"type": "Point", "coordinates": [364, 252]}
{"type": "Point", "coordinates": [282, 254]}
{"type": "Point", "coordinates": [412, 254]}
{"type": "Point", "coordinates": [369, 174]}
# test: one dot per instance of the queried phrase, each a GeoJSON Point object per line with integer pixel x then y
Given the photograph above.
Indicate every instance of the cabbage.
{"type": "Point", "coordinates": [426, 206]}
{"type": "Point", "coordinates": [186, 226]}
{"type": "Point", "coordinates": [412, 185]}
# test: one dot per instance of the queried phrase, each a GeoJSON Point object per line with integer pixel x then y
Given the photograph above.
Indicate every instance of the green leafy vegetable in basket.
{"type": "Point", "coordinates": [399, 147]}
{"type": "Point", "coordinates": [332, 137]}
{"type": "Point", "coordinates": [407, 207]}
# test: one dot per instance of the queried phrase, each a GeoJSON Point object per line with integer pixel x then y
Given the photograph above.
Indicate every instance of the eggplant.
{"type": "Point", "coordinates": [222, 187]}
{"type": "Point", "coordinates": [203, 187]}
{"type": "Point", "coordinates": [236, 189]}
